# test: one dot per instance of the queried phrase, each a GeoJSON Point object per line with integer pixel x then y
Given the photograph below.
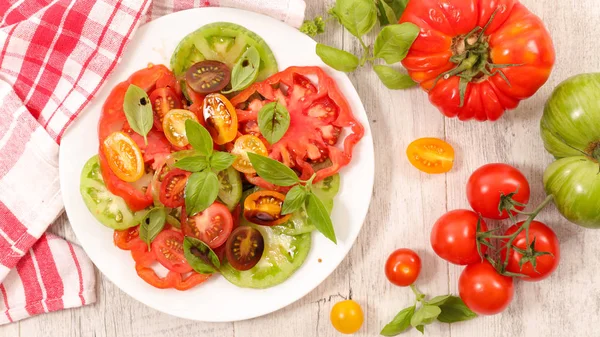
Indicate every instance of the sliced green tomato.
{"type": "Point", "coordinates": [327, 189]}
{"type": "Point", "coordinates": [298, 223]}
{"type": "Point", "coordinates": [221, 41]}
{"type": "Point", "coordinates": [109, 209]}
{"type": "Point", "coordinates": [283, 255]}
{"type": "Point", "coordinates": [230, 187]}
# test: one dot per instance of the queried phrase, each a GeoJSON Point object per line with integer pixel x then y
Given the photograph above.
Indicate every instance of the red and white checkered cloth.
{"type": "Point", "coordinates": [54, 57]}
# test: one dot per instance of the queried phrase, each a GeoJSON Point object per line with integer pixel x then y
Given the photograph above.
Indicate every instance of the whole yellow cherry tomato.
{"type": "Point", "coordinates": [347, 316]}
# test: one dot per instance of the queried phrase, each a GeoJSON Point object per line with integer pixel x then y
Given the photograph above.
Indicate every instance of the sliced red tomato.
{"type": "Point", "coordinates": [125, 239]}
{"type": "Point", "coordinates": [318, 114]}
{"type": "Point", "coordinates": [157, 149]}
{"type": "Point", "coordinates": [168, 249]}
{"type": "Point", "coordinates": [163, 100]}
{"type": "Point", "coordinates": [212, 226]}
{"type": "Point", "coordinates": [195, 97]}
{"type": "Point", "coordinates": [168, 80]}
{"type": "Point", "coordinates": [173, 187]}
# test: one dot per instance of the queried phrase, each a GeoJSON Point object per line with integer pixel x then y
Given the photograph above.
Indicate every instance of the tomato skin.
{"type": "Point", "coordinates": [454, 237]}
{"type": "Point", "coordinates": [346, 316]}
{"type": "Point", "coordinates": [403, 267]}
{"type": "Point", "coordinates": [488, 182]}
{"type": "Point", "coordinates": [484, 290]}
{"type": "Point", "coordinates": [545, 241]}
{"type": "Point", "coordinates": [515, 36]}
{"type": "Point", "coordinates": [431, 155]}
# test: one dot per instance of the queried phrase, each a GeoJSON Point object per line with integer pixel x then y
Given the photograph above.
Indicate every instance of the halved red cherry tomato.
{"type": "Point", "coordinates": [206, 77]}
{"type": "Point", "coordinates": [163, 100]}
{"type": "Point", "coordinates": [235, 214]}
{"type": "Point", "coordinates": [431, 155]}
{"type": "Point", "coordinates": [172, 188]}
{"type": "Point", "coordinates": [124, 156]}
{"type": "Point", "coordinates": [125, 239]}
{"type": "Point", "coordinates": [318, 114]}
{"type": "Point", "coordinates": [168, 249]}
{"type": "Point", "coordinates": [244, 144]}
{"type": "Point", "coordinates": [174, 126]}
{"type": "Point", "coordinates": [221, 118]}
{"type": "Point", "coordinates": [212, 226]}
{"type": "Point", "coordinates": [264, 208]}
{"type": "Point", "coordinates": [244, 248]}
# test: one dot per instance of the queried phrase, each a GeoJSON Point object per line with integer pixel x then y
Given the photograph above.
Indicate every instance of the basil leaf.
{"type": "Point", "coordinates": [392, 78]}
{"type": "Point", "coordinates": [220, 161]}
{"type": "Point", "coordinates": [138, 110]}
{"type": "Point", "coordinates": [273, 171]}
{"type": "Point", "coordinates": [400, 323]}
{"type": "Point", "coordinates": [420, 328]}
{"type": "Point", "coordinates": [455, 310]}
{"type": "Point", "coordinates": [318, 216]}
{"type": "Point", "coordinates": [173, 221]}
{"type": "Point", "coordinates": [394, 41]}
{"type": "Point", "coordinates": [152, 223]}
{"type": "Point", "coordinates": [294, 199]}
{"type": "Point", "coordinates": [245, 70]}
{"type": "Point", "coordinates": [386, 14]}
{"type": "Point", "coordinates": [337, 59]}
{"type": "Point", "coordinates": [199, 137]}
{"type": "Point", "coordinates": [200, 257]}
{"type": "Point", "coordinates": [438, 300]}
{"type": "Point", "coordinates": [273, 121]}
{"type": "Point", "coordinates": [201, 191]}
{"type": "Point", "coordinates": [357, 16]}
{"type": "Point", "coordinates": [425, 315]}
{"type": "Point", "coordinates": [192, 164]}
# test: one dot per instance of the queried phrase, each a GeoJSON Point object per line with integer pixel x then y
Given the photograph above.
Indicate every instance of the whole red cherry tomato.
{"type": "Point", "coordinates": [454, 237]}
{"type": "Point", "coordinates": [402, 267]}
{"type": "Point", "coordinates": [484, 290]}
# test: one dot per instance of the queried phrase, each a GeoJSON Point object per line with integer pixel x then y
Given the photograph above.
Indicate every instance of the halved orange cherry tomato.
{"type": "Point", "coordinates": [172, 188]}
{"type": "Point", "coordinates": [431, 155]}
{"type": "Point", "coordinates": [244, 248]}
{"type": "Point", "coordinates": [163, 100]}
{"type": "Point", "coordinates": [221, 118]}
{"type": "Point", "coordinates": [212, 226]}
{"type": "Point", "coordinates": [124, 156]}
{"type": "Point", "coordinates": [264, 208]}
{"type": "Point", "coordinates": [174, 126]}
{"type": "Point", "coordinates": [168, 249]}
{"type": "Point", "coordinates": [244, 144]}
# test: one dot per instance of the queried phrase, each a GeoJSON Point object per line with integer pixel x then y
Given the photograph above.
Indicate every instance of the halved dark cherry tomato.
{"type": "Point", "coordinates": [206, 77]}
{"type": "Point", "coordinates": [173, 187]}
{"type": "Point", "coordinates": [174, 126]}
{"type": "Point", "coordinates": [244, 248]}
{"type": "Point", "coordinates": [221, 118]}
{"type": "Point", "coordinates": [212, 226]}
{"type": "Point", "coordinates": [168, 249]}
{"type": "Point", "coordinates": [124, 156]}
{"type": "Point", "coordinates": [163, 100]}
{"type": "Point", "coordinates": [264, 208]}
{"type": "Point", "coordinates": [236, 213]}
{"type": "Point", "coordinates": [244, 144]}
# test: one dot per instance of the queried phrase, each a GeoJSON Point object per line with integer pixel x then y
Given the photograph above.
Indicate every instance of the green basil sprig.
{"type": "Point", "coordinates": [138, 110]}
{"type": "Point", "coordinates": [337, 59]}
{"type": "Point", "coordinates": [201, 191]}
{"type": "Point", "coordinates": [393, 79]}
{"type": "Point", "coordinates": [445, 308]}
{"type": "Point", "coordinates": [273, 121]}
{"type": "Point", "coordinates": [245, 70]}
{"type": "Point", "coordinates": [199, 137]}
{"type": "Point", "coordinates": [394, 41]}
{"type": "Point", "coordinates": [200, 257]}
{"type": "Point", "coordinates": [152, 223]}
{"type": "Point", "coordinates": [300, 195]}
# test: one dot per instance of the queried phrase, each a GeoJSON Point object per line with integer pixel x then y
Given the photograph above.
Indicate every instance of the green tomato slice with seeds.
{"type": "Point", "coordinates": [230, 187]}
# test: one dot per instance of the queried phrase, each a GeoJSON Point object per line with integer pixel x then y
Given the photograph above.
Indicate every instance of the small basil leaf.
{"type": "Point", "coordinates": [273, 121]}
{"type": "Point", "coordinates": [192, 164]}
{"type": "Point", "coordinates": [455, 310]}
{"type": "Point", "coordinates": [425, 315]}
{"type": "Point", "coordinates": [200, 257]}
{"type": "Point", "coordinates": [152, 223]}
{"type": "Point", "coordinates": [201, 191]}
{"type": "Point", "coordinates": [392, 78]}
{"type": "Point", "coordinates": [420, 328]}
{"type": "Point", "coordinates": [138, 110]}
{"type": "Point", "coordinates": [318, 216]}
{"type": "Point", "coordinates": [400, 323]}
{"type": "Point", "coordinates": [394, 41]}
{"type": "Point", "coordinates": [398, 6]}
{"type": "Point", "coordinates": [438, 300]}
{"type": "Point", "coordinates": [386, 14]}
{"type": "Point", "coordinates": [294, 199]}
{"type": "Point", "coordinates": [245, 70]}
{"type": "Point", "coordinates": [173, 221]}
{"type": "Point", "coordinates": [199, 137]}
{"type": "Point", "coordinates": [337, 59]}
{"type": "Point", "coordinates": [273, 171]}
{"type": "Point", "coordinates": [357, 16]}
{"type": "Point", "coordinates": [220, 161]}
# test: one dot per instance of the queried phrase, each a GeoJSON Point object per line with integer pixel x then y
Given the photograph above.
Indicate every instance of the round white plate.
{"type": "Point", "coordinates": [216, 300]}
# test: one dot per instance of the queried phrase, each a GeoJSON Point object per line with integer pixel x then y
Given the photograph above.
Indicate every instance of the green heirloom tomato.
{"type": "Point", "coordinates": [570, 129]}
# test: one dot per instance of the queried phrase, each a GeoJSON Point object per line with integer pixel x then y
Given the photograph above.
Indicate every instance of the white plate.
{"type": "Point", "coordinates": [216, 300]}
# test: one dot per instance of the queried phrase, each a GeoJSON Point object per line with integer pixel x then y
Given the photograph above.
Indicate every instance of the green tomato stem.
{"type": "Point", "coordinates": [419, 295]}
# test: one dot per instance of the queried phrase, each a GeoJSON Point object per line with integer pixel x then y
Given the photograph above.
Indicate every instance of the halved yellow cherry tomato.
{"type": "Point", "coordinates": [264, 208]}
{"type": "Point", "coordinates": [431, 155]}
{"type": "Point", "coordinates": [244, 144]}
{"type": "Point", "coordinates": [174, 126]}
{"type": "Point", "coordinates": [124, 156]}
{"type": "Point", "coordinates": [221, 118]}
{"type": "Point", "coordinates": [347, 316]}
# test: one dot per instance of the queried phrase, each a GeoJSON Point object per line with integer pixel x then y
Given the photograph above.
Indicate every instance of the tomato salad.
{"type": "Point", "coordinates": [220, 164]}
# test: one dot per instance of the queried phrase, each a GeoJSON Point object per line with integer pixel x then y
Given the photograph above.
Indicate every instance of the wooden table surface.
{"type": "Point", "coordinates": [404, 207]}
